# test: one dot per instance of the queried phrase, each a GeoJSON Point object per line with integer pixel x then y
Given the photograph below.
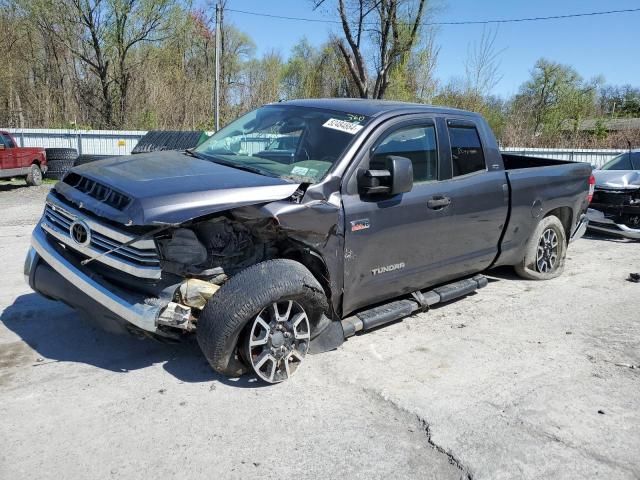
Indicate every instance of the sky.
{"type": "Point", "coordinates": [606, 45]}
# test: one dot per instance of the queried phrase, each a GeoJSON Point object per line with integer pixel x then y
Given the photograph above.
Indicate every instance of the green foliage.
{"type": "Point", "coordinates": [554, 96]}
{"type": "Point", "coordinates": [600, 131]}
{"type": "Point", "coordinates": [152, 67]}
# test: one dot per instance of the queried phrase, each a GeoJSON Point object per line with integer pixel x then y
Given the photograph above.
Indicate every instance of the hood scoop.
{"type": "Point", "coordinates": [97, 190]}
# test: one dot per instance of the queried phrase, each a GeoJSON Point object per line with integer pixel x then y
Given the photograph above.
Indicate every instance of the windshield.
{"type": "Point", "coordinates": [291, 142]}
{"type": "Point", "coordinates": [625, 161]}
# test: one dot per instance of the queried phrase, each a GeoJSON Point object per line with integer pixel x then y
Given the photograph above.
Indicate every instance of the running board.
{"type": "Point", "coordinates": [389, 312]}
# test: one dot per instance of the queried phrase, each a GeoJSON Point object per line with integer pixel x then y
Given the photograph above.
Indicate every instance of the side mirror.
{"type": "Point", "coordinates": [396, 177]}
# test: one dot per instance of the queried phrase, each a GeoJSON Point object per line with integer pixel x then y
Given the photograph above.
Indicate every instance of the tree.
{"type": "Point", "coordinates": [619, 101]}
{"type": "Point", "coordinates": [554, 94]}
{"type": "Point", "coordinates": [102, 35]}
{"type": "Point", "coordinates": [313, 72]}
{"type": "Point", "coordinates": [482, 66]}
{"type": "Point", "coordinates": [132, 22]}
{"type": "Point", "coordinates": [392, 28]}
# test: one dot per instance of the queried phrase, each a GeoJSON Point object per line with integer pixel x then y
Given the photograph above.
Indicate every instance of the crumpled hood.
{"type": "Point", "coordinates": [617, 179]}
{"type": "Point", "coordinates": [172, 187]}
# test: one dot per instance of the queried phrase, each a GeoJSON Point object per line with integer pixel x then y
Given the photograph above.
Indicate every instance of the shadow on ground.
{"type": "Point", "coordinates": [603, 237]}
{"type": "Point", "coordinates": [8, 187]}
{"type": "Point", "coordinates": [58, 333]}
{"type": "Point", "coordinates": [503, 273]}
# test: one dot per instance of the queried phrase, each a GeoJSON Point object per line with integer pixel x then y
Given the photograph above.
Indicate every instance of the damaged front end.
{"type": "Point", "coordinates": [615, 208]}
{"type": "Point", "coordinates": [156, 279]}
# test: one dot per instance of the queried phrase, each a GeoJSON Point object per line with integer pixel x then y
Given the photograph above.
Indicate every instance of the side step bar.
{"type": "Point", "coordinates": [389, 312]}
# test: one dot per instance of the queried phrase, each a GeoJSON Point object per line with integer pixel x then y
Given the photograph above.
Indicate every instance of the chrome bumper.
{"type": "Point", "coordinates": [599, 223]}
{"type": "Point", "coordinates": [139, 314]}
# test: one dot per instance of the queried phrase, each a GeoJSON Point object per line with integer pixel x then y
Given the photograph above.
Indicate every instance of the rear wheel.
{"type": "Point", "coordinates": [262, 319]}
{"type": "Point", "coordinates": [545, 252]}
{"type": "Point", "coordinates": [34, 177]}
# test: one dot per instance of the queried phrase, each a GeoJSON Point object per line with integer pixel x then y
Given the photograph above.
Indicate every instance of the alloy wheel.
{"type": "Point", "coordinates": [547, 254]}
{"type": "Point", "coordinates": [278, 341]}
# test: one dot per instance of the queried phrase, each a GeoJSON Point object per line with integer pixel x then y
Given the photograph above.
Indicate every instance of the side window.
{"type": "Point", "coordinates": [4, 141]}
{"type": "Point", "coordinates": [466, 151]}
{"type": "Point", "coordinates": [8, 141]}
{"type": "Point", "coordinates": [418, 144]}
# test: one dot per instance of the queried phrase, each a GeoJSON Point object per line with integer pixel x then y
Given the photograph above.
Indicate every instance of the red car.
{"type": "Point", "coordinates": [15, 161]}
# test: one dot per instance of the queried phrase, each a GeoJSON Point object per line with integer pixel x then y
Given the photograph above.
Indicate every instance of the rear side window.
{"type": "Point", "coordinates": [5, 141]}
{"type": "Point", "coordinates": [466, 151]}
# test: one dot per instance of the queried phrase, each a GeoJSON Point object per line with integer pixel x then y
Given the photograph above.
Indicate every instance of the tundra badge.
{"type": "Point", "coordinates": [387, 268]}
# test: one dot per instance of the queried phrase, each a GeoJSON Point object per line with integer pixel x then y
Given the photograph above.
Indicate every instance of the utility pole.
{"type": "Point", "coordinates": [217, 66]}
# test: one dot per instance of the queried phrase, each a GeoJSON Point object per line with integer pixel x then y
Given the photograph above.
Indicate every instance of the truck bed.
{"type": "Point", "coordinates": [537, 185]}
{"type": "Point", "coordinates": [514, 162]}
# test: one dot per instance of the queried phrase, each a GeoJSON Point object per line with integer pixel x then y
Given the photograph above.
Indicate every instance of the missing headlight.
{"type": "Point", "coordinates": [183, 247]}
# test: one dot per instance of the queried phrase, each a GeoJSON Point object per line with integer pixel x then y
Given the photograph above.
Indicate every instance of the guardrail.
{"type": "Point", "coordinates": [121, 142]}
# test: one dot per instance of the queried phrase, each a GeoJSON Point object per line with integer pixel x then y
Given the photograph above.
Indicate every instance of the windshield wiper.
{"type": "Point", "coordinates": [246, 168]}
{"type": "Point", "coordinates": [191, 153]}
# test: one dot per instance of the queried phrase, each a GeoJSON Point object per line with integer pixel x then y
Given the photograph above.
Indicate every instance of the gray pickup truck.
{"type": "Point", "coordinates": [376, 210]}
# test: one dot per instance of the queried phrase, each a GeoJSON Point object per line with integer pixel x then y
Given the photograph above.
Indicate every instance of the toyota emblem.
{"type": "Point", "coordinates": [80, 233]}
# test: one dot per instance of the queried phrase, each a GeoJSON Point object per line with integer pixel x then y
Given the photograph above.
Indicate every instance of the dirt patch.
{"type": "Point", "coordinates": [15, 354]}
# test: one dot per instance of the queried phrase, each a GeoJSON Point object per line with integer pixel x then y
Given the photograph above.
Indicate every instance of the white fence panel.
{"type": "Point", "coordinates": [594, 157]}
{"type": "Point", "coordinates": [88, 142]}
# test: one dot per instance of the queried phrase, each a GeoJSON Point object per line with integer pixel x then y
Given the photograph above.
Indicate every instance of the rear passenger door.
{"type": "Point", "coordinates": [479, 199]}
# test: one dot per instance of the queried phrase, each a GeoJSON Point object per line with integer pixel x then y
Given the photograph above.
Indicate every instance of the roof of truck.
{"type": "Point", "coordinates": [371, 108]}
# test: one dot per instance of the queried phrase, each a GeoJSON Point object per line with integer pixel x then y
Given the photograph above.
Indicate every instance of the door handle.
{"type": "Point", "coordinates": [439, 202]}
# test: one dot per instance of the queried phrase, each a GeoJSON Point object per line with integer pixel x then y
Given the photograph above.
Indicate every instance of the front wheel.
{"type": "Point", "coordinates": [262, 319]}
{"type": "Point", "coordinates": [277, 341]}
{"type": "Point", "coordinates": [545, 252]}
{"type": "Point", "coordinates": [34, 177]}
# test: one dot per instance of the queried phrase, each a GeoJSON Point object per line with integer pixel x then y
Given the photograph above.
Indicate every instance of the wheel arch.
{"type": "Point", "coordinates": [565, 214]}
{"type": "Point", "coordinates": [315, 264]}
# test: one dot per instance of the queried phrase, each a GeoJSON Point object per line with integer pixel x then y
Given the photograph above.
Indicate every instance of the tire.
{"type": "Point", "coordinates": [222, 325]}
{"type": "Point", "coordinates": [535, 267]}
{"type": "Point", "coordinates": [59, 161]}
{"type": "Point", "coordinates": [57, 168]}
{"type": "Point", "coordinates": [61, 153]}
{"type": "Point", "coordinates": [34, 177]}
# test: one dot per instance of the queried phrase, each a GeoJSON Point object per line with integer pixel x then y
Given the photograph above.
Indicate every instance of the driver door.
{"type": "Point", "coordinates": [7, 153]}
{"type": "Point", "coordinates": [397, 244]}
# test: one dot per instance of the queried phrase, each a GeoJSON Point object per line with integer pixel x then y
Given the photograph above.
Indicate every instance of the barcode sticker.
{"type": "Point", "coordinates": [342, 126]}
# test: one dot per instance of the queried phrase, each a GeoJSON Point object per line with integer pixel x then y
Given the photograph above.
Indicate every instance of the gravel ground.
{"type": "Point", "coordinates": [521, 380]}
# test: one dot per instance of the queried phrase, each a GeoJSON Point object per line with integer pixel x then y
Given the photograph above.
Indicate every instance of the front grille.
{"type": "Point", "coordinates": [613, 198]}
{"type": "Point", "coordinates": [100, 192]}
{"type": "Point", "coordinates": [138, 258]}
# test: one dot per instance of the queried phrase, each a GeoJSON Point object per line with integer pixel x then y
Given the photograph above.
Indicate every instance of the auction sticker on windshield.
{"type": "Point", "coordinates": [343, 126]}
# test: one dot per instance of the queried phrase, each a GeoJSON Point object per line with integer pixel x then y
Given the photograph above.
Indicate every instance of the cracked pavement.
{"type": "Point", "coordinates": [506, 383]}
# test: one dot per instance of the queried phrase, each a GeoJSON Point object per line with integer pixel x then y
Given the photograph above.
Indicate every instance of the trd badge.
{"type": "Point", "coordinates": [358, 225]}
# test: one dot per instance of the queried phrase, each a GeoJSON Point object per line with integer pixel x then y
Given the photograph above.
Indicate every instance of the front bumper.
{"type": "Point", "coordinates": [599, 223]}
{"type": "Point", "coordinates": [48, 272]}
